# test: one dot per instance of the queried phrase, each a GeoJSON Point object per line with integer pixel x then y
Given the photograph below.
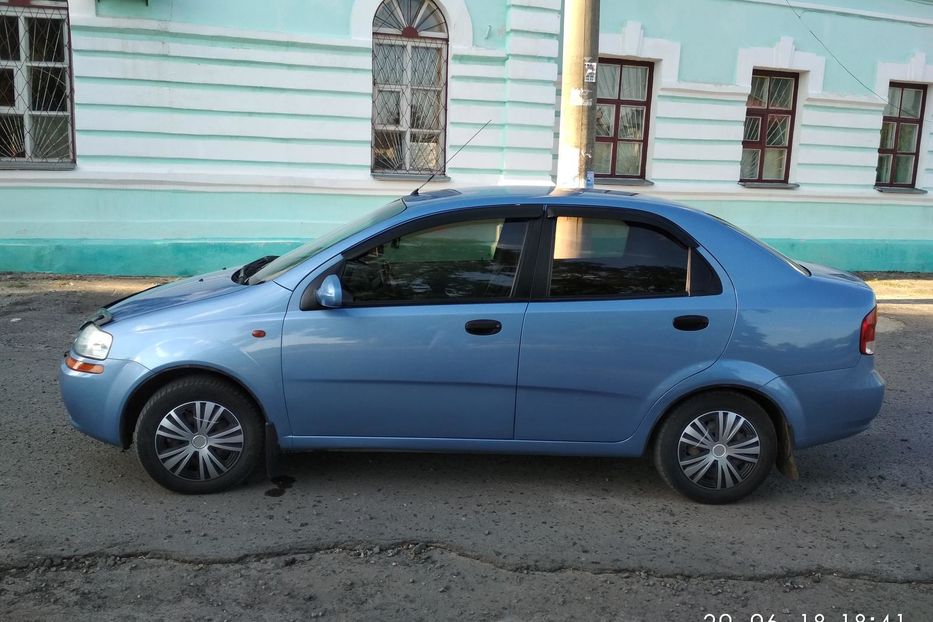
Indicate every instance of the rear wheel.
{"type": "Point", "coordinates": [199, 435]}
{"type": "Point", "coordinates": [716, 447]}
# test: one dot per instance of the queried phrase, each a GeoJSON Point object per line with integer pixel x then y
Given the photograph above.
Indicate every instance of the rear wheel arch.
{"type": "Point", "coordinates": [785, 433]}
{"type": "Point", "coordinates": [141, 394]}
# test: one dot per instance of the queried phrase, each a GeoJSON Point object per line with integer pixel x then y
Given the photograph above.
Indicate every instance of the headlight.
{"type": "Point", "coordinates": [93, 343]}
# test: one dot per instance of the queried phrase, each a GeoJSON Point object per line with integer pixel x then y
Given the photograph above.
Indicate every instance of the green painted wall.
{"type": "Point", "coordinates": [711, 31]}
{"type": "Point", "coordinates": [303, 17]}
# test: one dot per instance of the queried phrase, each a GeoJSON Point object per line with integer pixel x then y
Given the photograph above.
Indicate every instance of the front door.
{"type": "Point", "coordinates": [426, 343]}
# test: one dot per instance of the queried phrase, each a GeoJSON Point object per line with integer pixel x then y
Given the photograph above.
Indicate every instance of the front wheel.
{"type": "Point", "coordinates": [716, 447]}
{"type": "Point", "coordinates": [199, 435]}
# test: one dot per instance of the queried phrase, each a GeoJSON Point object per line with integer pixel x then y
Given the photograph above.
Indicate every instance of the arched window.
{"type": "Point", "coordinates": [409, 87]}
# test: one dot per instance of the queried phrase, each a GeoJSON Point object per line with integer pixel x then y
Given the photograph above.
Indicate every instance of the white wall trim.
{"type": "Point", "coordinates": [783, 56]}
{"type": "Point", "coordinates": [914, 70]}
{"type": "Point", "coordinates": [633, 43]}
{"type": "Point", "coordinates": [823, 8]}
{"type": "Point", "coordinates": [459, 22]}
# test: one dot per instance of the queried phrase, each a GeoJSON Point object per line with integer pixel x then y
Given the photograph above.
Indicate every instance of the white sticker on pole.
{"type": "Point", "coordinates": [589, 72]}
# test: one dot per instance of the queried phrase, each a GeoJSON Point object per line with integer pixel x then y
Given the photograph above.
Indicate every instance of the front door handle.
{"type": "Point", "coordinates": [483, 327]}
{"type": "Point", "coordinates": [691, 322]}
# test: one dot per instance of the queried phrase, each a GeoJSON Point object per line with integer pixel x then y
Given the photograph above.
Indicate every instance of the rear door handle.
{"type": "Point", "coordinates": [691, 322]}
{"type": "Point", "coordinates": [483, 327]}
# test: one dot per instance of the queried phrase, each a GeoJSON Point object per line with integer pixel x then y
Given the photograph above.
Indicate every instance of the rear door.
{"type": "Point", "coordinates": [624, 306]}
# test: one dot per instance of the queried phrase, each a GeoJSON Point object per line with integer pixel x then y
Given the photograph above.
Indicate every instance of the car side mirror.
{"type": "Point", "coordinates": [330, 293]}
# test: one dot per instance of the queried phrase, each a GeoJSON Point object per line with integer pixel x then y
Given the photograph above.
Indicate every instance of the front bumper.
{"type": "Point", "coordinates": [95, 401]}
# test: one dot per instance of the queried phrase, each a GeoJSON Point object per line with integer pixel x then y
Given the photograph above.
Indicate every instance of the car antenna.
{"type": "Point", "coordinates": [414, 192]}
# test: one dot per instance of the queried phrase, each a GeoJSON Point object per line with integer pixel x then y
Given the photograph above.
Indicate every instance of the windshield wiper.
{"type": "Point", "coordinates": [242, 275]}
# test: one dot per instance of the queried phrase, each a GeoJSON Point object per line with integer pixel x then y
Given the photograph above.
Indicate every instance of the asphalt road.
{"type": "Point", "coordinates": [84, 533]}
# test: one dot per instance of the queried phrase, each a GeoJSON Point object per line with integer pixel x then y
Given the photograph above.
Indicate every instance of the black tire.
{"type": "Point", "coordinates": [716, 478]}
{"type": "Point", "coordinates": [234, 451]}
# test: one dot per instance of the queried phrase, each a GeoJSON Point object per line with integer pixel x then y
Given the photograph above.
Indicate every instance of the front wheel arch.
{"type": "Point", "coordinates": [142, 393]}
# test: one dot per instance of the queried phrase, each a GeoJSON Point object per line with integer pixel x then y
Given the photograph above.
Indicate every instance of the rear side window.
{"type": "Point", "coordinates": [475, 260]}
{"type": "Point", "coordinates": [595, 257]}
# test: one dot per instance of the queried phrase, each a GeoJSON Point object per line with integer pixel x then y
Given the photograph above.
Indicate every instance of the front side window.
{"type": "Point", "coordinates": [769, 127]}
{"type": "Point", "coordinates": [600, 258]}
{"type": "Point", "coordinates": [623, 108]}
{"type": "Point", "coordinates": [901, 130]}
{"type": "Point", "coordinates": [409, 88]}
{"type": "Point", "coordinates": [476, 260]}
{"type": "Point", "coordinates": [35, 85]}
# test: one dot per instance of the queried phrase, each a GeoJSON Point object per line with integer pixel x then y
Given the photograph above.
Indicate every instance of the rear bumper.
{"type": "Point", "coordinates": [834, 404]}
{"type": "Point", "coordinates": [95, 401]}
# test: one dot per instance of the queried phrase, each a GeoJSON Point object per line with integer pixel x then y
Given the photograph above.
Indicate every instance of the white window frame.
{"type": "Point", "coordinates": [22, 89]}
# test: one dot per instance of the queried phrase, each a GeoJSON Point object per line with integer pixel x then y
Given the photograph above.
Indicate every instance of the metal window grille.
{"type": "Point", "coordinates": [409, 88]}
{"type": "Point", "coordinates": [36, 95]}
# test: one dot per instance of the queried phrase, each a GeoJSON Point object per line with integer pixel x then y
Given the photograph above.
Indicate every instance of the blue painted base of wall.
{"type": "Point", "coordinates": [134, 257]}
{"type": "Point", "coordinates": [187, 257]}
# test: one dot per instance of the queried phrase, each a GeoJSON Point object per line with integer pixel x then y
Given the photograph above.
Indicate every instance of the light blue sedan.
{"type": "Point", "coordinates": [512, 320]}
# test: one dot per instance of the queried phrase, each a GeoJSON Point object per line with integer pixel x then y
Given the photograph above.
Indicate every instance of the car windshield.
{"type": "Point", "coordinates": [290, 260]}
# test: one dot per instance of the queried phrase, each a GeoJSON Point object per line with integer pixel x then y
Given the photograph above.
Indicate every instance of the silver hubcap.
{"type": "Point", "coordinates": [199, 440]}
{"type": "Point", "coordinates": [719, 449]}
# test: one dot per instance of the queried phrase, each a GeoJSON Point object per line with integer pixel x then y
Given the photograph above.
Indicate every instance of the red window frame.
{"type": "Point", "coordinates": [617, 103]}
{"type": "Point", "coordinates": [764, 116]}
{"type": "Point", "coordinates": [899, 120]}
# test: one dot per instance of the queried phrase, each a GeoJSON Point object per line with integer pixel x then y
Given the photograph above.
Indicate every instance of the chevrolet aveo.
{"type": "Point", "coordinates": [585, 323]}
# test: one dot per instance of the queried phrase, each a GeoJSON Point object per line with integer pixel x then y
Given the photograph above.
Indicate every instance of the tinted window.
{"type": "Point", "coordinates": [461, 261]}
{"type": "Point", "coordinates": [602, 257]}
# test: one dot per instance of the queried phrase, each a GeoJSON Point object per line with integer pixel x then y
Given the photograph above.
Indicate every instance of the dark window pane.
{"type": "Point", "coordinates": [631, 122]}
{"type": "Point", "coordinates": [387, 107]}
{"type": "Point", "coordinates": [51, 137]}
{"type": "Point", "coordinates": [600, 257]}
{"type": "Point", "coordinates": [628, 159]}
{"type": "Point", "coordinates": [388, 63]}
{"type": "Point", "coordinates": [7, 88]}
{"type": "Point", "coordinates": [907, 138]}
{"type": "Point", "coordinates": [750, 161]}
{"type": "Point", "coordinates": [602, 158]}
{"type": "Point", "coordinates": [426, 66]}
{"type": "Point", "coordinates": [903, 169]}
{"type": "Point", "coordinates": [605, 119]}
{"type": "Point", "coordinates": [775, 164]}
{"type": "Point", "coordinates": [782, 93]}
{"type": "Point", "coordinates": [426, 109]}
{"type": "Point", "coordinates": [883, 171]}
{"type": "Point", "coordinates": [46, 40]}
{"type": "Point", "coordinates": [12, 137]}
{"type": "Point", "coordinates": [634, 82]}
{"type": "Point", "coordinates": [9, 38]}
{"type": "Point", "coordinates": [752, 128]}
{"type": "Point", "coordinates": [703, 279]}
{"type": "Point", "coordinates": [607, 81]}
{"type": "Point", "coordinates": [887, 134]}
{"type": "Point", "coordinates": [389, 151]}
{"type": "Point", "coordinates": [425, 150]}
{"type": "Point", "coordinates": [893, 107]}
{"type": "Point", "coordinates": [758, 98]}
{"type": "Point", "coordinates": [778, 129]}
{"type": "Point", "coordinates": [910, 103]}
{"type": "Point", "coordinates": [471, 260]}
{"type": "Point", "coordinates": [49, 89]}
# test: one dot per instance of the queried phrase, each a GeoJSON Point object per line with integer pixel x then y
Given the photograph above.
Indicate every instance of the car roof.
{"type": "Point", "coordinates": [446, 199]}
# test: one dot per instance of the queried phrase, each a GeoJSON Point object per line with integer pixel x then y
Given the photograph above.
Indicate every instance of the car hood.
{"type": "Point", "coordinates": [175, 293]}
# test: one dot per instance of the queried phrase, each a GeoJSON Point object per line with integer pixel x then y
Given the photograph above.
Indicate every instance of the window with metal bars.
{"type": "Point", "coordinates": [409, 88]}
{"type": "Point", "coordinates": [769, 127]}
{"type": "Point", "coordinates": [623, 108]}
{"type": "Point", "coordinates": [36, 112]}
{"type": "Point", "coordinates": [901, 130]}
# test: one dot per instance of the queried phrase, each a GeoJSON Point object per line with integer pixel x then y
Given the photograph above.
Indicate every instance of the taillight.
{"type": "Point", "coordinates": [867, 339]}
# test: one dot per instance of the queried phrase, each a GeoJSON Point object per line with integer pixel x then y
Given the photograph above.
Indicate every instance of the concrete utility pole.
{"type": "Point", "coordinates": [578, 94]}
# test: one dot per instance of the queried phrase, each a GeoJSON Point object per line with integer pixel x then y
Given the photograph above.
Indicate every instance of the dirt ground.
{"type": "Point", "coordinates": [86, 535]}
